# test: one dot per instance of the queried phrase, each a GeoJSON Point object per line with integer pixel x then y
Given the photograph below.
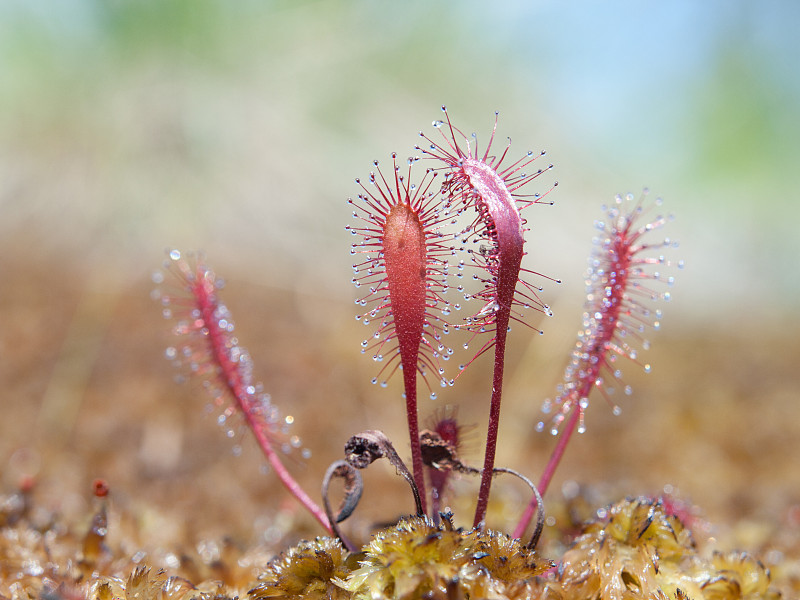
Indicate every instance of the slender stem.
{"type": "Point", "coordinates": [537, 532]}
{"type": "Point", "coordinates": [549, 470]}
{"type": "Point", "coordinates": [494, 417]}
{"type": "Point", "coordinates": [353, 488]}
{"type": "Point", "coordinates": [558, 451]}
{"type": "Point", "coordinates": [231, 375]}
{"type": "Point", "coordinates": [410, 381]}
{"type": "Point", "coordinates": [289, 482]}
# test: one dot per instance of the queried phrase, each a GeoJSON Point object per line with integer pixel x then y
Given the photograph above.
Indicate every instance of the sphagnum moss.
{"type": "Point", "coordinates": [414, 559]}
{"type": "Point", "coordinates": [638, 550]}
{"type": "Point", "coordinates": [308, 570]}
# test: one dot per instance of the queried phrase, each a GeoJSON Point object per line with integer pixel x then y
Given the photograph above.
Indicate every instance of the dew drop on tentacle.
{"type": "Point", "coordinates": [617, 280]}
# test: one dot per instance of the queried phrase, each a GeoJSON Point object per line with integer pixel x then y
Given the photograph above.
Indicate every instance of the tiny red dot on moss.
{"type": "Point", "coordinates": [100, 488]}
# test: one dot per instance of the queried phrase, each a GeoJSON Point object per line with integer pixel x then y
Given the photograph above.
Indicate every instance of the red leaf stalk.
{"type": "Point", "coordinates": [616, 316]}
{"type": "Point", "coordinates": [405, 269]}
{"type": "Point", "coordinates": [482, 183]}
{"type": "Point", "coordinates": [213, 355]}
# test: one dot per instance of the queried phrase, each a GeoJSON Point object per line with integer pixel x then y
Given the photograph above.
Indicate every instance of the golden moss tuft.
{"type": "Point", "coordinates": [418, 559]}
{"type": "Point", "coordinates": [145, 584]}
{"type": "Point", "coordinates": [306, 571]}
{"type": "Point", "coordinates": [500, 567]}
{"type": "Point", "coordinates": [736, 575]}
{"type": "Point", "coordinates": [408, 561]}
{"type": "Point", "coordinates": [640, 551]}
{"type": "Point", "coordinates": [637, 550]}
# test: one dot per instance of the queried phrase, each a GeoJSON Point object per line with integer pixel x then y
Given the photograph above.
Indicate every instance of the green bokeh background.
{"type": "Point", "coordinates": [238, 128]}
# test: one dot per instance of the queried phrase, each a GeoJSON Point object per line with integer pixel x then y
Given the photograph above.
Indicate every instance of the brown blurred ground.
{"type": "Point", "coordinates": [87, 393]}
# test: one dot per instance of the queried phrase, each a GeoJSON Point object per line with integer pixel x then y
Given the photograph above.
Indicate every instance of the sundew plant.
{"type": "Point", "coordinates": [449, 221]}
{"type": "Point", "coordinates": [438, 242]}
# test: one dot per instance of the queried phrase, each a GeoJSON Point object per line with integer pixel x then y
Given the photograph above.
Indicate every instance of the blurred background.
{"type": "Point", "coordinates": [238, 129]}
